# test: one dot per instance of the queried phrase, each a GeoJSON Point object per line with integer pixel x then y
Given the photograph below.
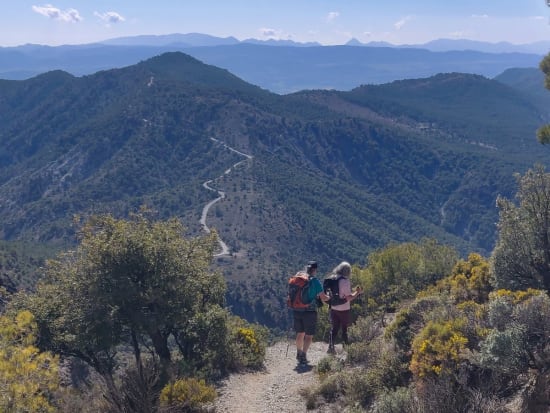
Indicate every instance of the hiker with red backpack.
{"type": "Point", "coordinates": [304, 292]}
{"type": "Point", "coordinates": [338, 286]}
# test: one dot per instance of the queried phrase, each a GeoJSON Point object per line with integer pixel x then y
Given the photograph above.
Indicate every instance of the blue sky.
{"type": "Point", "coordinates": [328, 22]}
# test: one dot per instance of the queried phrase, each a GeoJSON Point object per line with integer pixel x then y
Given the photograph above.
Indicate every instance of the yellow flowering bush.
{"type": "Point", "coordinates": [247, 337]}
{"type": "Point", "coordinates": [247, 343]}
{"type": "Point", "coordinates": [188, 394]}
{"type": "Point", "coordinates": [470, 280]}
{"type": "Point", "coordinates": [437, 348]}
{"type": "Point", "coordinates": [515, 297]}
{"type": "Point", "coordinates": [28, 377]}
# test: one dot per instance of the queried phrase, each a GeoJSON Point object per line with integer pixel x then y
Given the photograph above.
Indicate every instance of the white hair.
{"type": "Point", "coordinates": [344, 269]}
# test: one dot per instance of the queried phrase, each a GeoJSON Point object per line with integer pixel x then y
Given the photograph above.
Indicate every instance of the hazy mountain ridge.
{"type": "Point", "coordinates": [445, 45]}
{"type": "Point", "coordinates": [281, 66]}
{"type": "Point", "coordinates": [199, 39]}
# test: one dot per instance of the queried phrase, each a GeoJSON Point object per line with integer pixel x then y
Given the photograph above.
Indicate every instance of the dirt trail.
{"type": "Point", "coordinates": [277, 388]}
{"type": "Point", "coordinates": [221, 195]}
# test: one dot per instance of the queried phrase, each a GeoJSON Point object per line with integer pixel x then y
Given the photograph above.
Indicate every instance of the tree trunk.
{"type": "Point", "coordinates": [160, 343]}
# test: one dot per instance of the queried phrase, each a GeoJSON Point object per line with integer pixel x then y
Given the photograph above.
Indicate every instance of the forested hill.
{"type": "Point", "coordinates": [333, 175]}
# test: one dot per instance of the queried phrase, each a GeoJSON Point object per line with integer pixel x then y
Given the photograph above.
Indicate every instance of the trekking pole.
{"type": "Point", "coordinates": [330, 338]}
{"type": "Point", "coordinates": [288, 334]}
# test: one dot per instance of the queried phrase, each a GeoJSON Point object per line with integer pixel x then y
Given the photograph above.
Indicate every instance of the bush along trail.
{"type": "Point", "coordinates": [221, 195]}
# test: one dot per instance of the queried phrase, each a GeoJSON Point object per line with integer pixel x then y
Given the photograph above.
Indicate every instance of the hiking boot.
{"type": "Point", "coordinates": [331, 350]}
{"type": "Point", "coordinates": [302, 359]}
{"type": "Point", "coordinates": [298, 355]}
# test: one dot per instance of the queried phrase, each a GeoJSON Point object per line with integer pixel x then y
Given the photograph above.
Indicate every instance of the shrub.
{"type": "Point", "coordinates": [310, 397]}
{"type": "Point", "coordinates": [475, 328]}
{"type": "Point", "coordinates": [505, 350]}
{"type": "Point", "coordinates": [437, 348]}
{"type": "Point", "coordinates": [246, 344]}
{"type": "Point", "coordinates": [500, 311]}
{"type": "Point", "coordinates": [400, 330]}
{"type": "Point", "coordinates": [87, 399]}
{"type": "Point", "coordinates": [486, 403]}
{"type": "Point", "coordinates": [331, 387]}
{"type": "Point", "coordinates": [203, 344]}
{"type": "Point", "coordinates": [399, 271]}
{"type": "Point", "coordinates": [328, 365]}
{"type": "Point", "coordinates": [28, 377]}
{"type": "Point", "coordinates": [188, 395]}
{"type": "Point", "coordinates": [399, 400]}
{"type": "Point", "coordinates": [365, 329]}
{"type": "Point", "coordinates": [534, 314]}
{"type": "Point", "coordinates": [359, 387]}
{"type": "Point", "coordinates": [139, 387]}
{"type": "Point", "coordinates": [520, 339]}
{"type": "Point", "coordinates": [441, 394]}
{"type": "Point", "coordinates": [390, 370]}
{"type": "Point", "coordinates": [470, 280]}
{"type": "Point", "coordinates": [359, 353]}
{"type": "Point", "coordinates": [517, 296]}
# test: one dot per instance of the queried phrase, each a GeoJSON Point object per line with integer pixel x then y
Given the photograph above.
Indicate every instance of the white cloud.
{"type": "Point", "coordinates": [332, 16]}
{"type": "Point", "coordinates": [399, 24]}
{"type": "Point", "coordinates": [538, 18]}
{"type": "Point", "coordinates": [270, 33]}
{"type": "Point", "coordinates": [110, 17]}
{"type": "Point", "coordinates": [457, 35]}
{"type": "Point", "coordinates": [69, 15]}
{"type": "Point", "coordinates": [480, 16]}
{"type": "Point", "coordinates": [275, 34]}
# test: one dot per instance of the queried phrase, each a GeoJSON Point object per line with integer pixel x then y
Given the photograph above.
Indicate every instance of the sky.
{"type": "Point", "coordinates": [329, 22]}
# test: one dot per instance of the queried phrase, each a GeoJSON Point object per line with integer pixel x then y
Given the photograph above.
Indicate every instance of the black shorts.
{"type": "Point", "coordinates": [305, 322]}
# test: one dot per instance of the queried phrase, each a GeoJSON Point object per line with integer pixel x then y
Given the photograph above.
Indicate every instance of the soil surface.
{"type": "Point", "coordinates": [276, 388]}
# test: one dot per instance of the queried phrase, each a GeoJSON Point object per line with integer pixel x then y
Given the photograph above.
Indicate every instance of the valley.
{"type": "Point", "coordinates": [325, 175]}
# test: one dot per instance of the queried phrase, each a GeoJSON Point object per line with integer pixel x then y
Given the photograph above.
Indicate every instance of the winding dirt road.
{"type": "Point", "coordinates": [221, 195]}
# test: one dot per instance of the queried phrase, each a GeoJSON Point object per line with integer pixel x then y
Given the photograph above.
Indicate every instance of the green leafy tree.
{"type": "Point", "coordinates": [543, 134]}
{"type": "Point", "coordinates": [28, 377]}
{"type": "Point", "coordinates": [399, 271]}
{"type": "Point", "coordinates": [131, 282]}
{"type": "Point", "coordinates": [521, 258]}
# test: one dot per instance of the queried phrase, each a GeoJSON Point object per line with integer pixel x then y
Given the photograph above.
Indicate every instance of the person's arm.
{"type": "Point", "coordinates": [321, 295]}
{"type": "Point", "coordinates": [358, 291]}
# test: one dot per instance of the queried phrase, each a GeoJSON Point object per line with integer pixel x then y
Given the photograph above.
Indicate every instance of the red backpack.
{"type": "Point", "coordinates": [298, 291]}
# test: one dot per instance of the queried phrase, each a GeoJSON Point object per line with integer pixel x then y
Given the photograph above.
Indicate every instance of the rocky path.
{"type": "Point", "coordinates": [277, 388]}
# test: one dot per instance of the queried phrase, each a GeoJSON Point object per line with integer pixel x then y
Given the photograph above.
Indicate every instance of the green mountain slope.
{"type": "Point", "coordinates": [442, 147]}
{"type": "Point", "coordinates": [528, 81]}
{"type": "Point", "coordinates": [333, 175]}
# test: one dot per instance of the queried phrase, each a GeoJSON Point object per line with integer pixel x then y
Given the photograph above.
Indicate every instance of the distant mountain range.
{"type": "Point", "coordinates": [446, 45]}
{"type": "Point", "coordinates": [281, 66]}
{"type": "Point", "coordinates": [439, 45]}
{"type": "Point", "coordinates": [196, 40]}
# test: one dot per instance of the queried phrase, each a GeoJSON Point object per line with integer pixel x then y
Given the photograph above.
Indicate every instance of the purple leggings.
{"type": "Point", "coordinates": [339, 320]}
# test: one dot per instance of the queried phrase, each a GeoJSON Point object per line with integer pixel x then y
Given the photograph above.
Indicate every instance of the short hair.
{"type": "Point", "coordinates": [311, 265]}
{"type": "Point", "coordinates": [344, 268]}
